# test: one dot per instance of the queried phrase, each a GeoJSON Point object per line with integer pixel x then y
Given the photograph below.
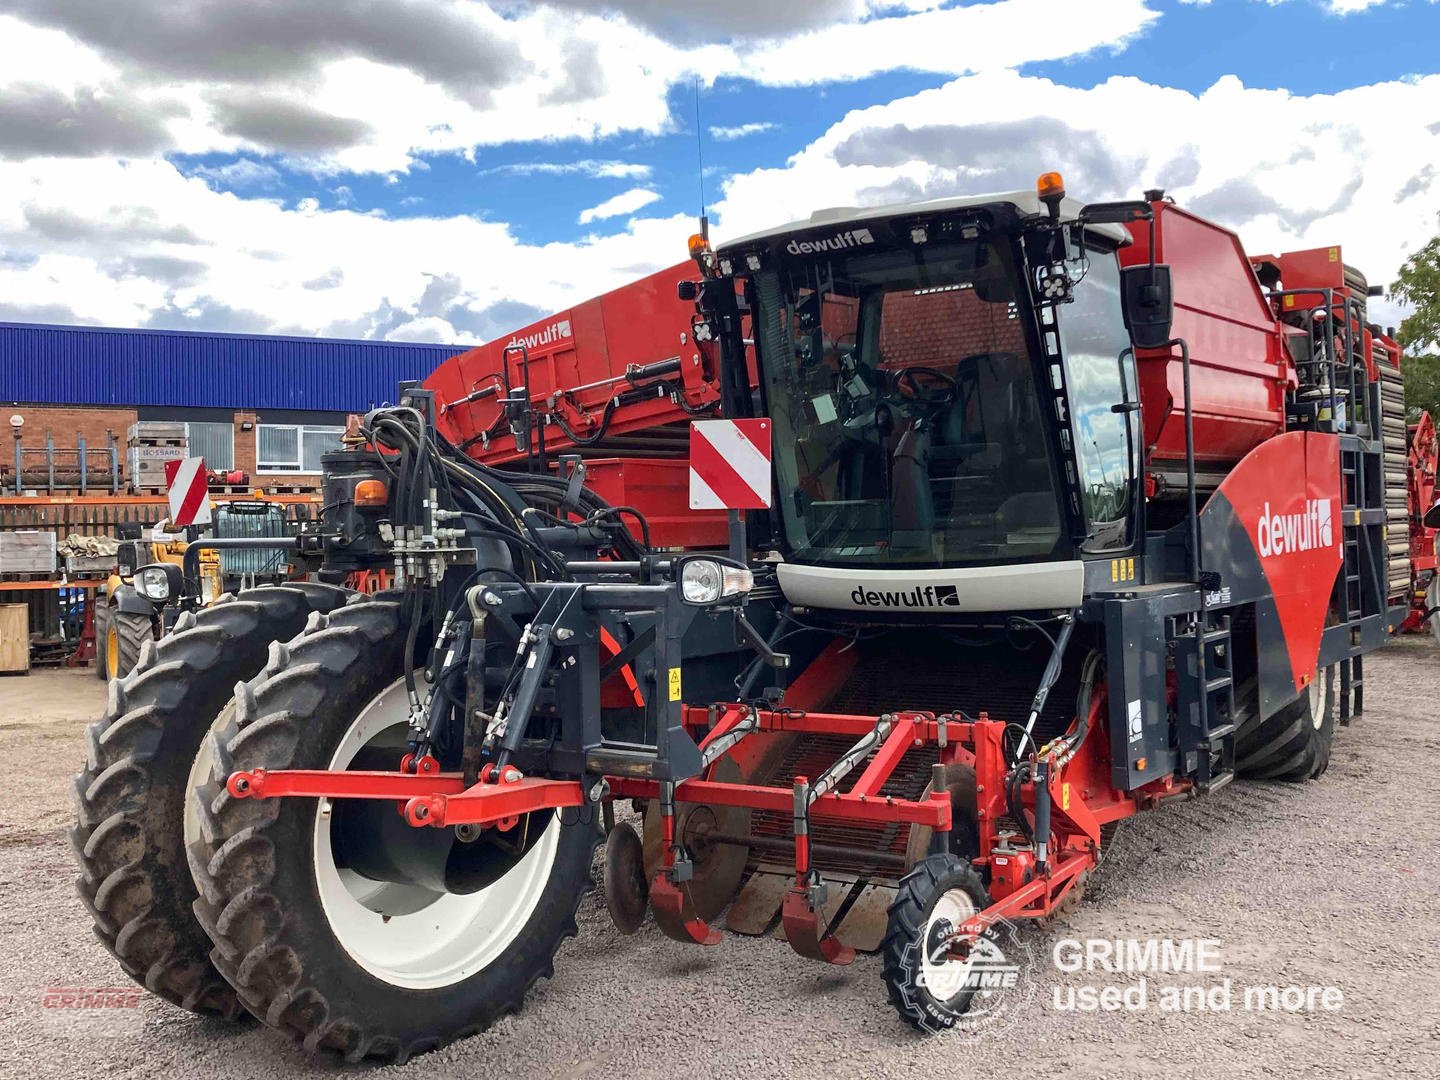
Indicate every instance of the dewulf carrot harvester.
{"type": "Point", "coordinates": [1023, 516]}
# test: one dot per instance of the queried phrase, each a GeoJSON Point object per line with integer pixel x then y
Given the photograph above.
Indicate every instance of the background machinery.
{"type": "Point", "coordinates": [1075, 510]}
{"type": "Point", "coordinates": [149, 589]}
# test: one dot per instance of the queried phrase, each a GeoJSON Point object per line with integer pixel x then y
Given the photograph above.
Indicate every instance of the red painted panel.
{"type": "Point", "coordinates": [1239, 368]}
{"type": "Point", "coordinates": [659, 489]}
{"type": "Point", "coordinates": [640, 323]}
{"type": "Point", "coordinates": [1286, 494]}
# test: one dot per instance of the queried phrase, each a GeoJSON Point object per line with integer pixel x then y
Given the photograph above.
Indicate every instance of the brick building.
{"type": "Point", "coordinates": [264, 405]}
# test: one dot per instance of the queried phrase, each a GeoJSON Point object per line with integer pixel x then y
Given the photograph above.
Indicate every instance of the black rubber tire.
{"type": "Point", "coordinates": [1294, 744]}
{"type": "Point", "coordinates": [128, 839]}
{"type": "Point", "coordinates": [920, 889]}
{"type": "Point", "coordinates": [102, 634]}
{"type": "Point", "coordinates": [132, 631]}
{"type": "Point", "coordinates": [254, 863]}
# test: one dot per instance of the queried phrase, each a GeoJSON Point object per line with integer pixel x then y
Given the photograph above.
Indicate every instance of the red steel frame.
{"type": "Point", "coordinates": [1081, 795]}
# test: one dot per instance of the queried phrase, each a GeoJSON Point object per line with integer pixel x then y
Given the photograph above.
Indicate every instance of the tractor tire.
{"type": "Point", "coordinates": [1294, 744]}
{"type": "Point", "coordinates": [343, 962]}
{"type": "Point", "coordinates": [131, 796]}
{"type": "Point", "coordinates": [939, 893]}
{"type": "Point", "coordinates": [126, 635]}
{"type": "Point", "coordinates": [102, 634]}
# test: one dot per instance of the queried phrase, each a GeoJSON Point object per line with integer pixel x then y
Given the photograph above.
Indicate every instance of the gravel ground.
{"type": "Point", "coordinates": [1327, 884]}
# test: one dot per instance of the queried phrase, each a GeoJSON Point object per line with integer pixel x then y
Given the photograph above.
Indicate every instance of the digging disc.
{"type": "Point", "coordinates": [718, 867]}
{"type": "Point", "coordinates": [627, 890]}
{"type": "Point", "coordinates": [964, 833]}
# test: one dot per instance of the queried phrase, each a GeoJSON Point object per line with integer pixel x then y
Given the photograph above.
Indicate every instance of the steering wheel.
{"type": "Point", "coordinates": [926, 385]}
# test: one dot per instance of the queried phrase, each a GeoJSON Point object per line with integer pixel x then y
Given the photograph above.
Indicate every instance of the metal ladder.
{"type": "Point", "coordinates": [1206, 700]}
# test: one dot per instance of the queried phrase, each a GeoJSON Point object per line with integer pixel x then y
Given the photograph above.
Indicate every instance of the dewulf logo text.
{"type": "Point", "coordinates": [921, 596]}
{"type": "Point", "coordinates": [556, 331]}
{"type": "Point", "coordinates": [848, 239]}
{"type": "Point", "coordinates": [1312, 527]}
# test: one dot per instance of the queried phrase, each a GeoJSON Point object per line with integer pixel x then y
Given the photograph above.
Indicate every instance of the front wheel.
{"type": "Point", "coordinates": [338, 923]}
{"type": "Point", "coordinates": [932, 977]}
{"type": "Point", "coordinates": [126, 633]}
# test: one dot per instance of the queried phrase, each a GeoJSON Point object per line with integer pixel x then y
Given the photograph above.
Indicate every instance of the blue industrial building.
{"type": "Point", "coordinates": [85, 365]}
{"type": "Point", "coordinates": [267, 406]}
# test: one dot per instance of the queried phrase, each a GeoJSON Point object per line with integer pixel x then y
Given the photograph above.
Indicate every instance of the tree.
{"type": "Point", "coordinates": [1418, 284]}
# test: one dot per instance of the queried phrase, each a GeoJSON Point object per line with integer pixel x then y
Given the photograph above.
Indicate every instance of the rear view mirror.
{"type": "Point", "coordinates": [1432, 517]}
{"type": "Point", "coordinates": [1148, 304]}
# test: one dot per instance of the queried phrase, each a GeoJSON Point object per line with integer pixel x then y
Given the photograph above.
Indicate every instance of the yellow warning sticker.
{"type": "Point", "coordinates": [1334, 254]}
{"type": "Point", "coordinates": [1064, 796]}
{"type": "Point", "coordinates": [674, 684]}
{"type": "Point", "coordinates": [1130, 569]}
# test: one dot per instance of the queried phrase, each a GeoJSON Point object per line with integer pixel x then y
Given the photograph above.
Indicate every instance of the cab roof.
{"type": "Point", "coordinates": [1026, 204]}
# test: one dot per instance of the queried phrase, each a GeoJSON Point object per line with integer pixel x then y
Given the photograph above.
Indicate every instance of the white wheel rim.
{"type": "Point", "coordinates": [1432, 600]}
{"type": "Point", "coordinates": [1317, 700]}
{"type": "Point", "coordinates": [946, 979]}
{"type": "Point", "coordinates": [411, 936]}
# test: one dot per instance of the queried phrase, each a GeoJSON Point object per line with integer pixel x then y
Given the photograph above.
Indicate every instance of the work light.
{"type": "Point", "coordinates": [153, 583]}
{"type": "Point", "coordinates": [705, 580]}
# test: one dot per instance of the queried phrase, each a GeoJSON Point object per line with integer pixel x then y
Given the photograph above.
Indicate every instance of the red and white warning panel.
{"type": "Point", "coordinates": [188, 491]}
{"type": "Point", "coordinates": [730, 465]}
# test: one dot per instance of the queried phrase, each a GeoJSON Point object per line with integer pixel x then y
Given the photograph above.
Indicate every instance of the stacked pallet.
{"type": "Point", "coordinates": [151, 443]}
{"type": "Point", "coordinates": [27, 555]}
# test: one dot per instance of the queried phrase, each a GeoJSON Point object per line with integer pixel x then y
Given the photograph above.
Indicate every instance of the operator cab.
{"type": "Point", "coordinates": [909, 366]}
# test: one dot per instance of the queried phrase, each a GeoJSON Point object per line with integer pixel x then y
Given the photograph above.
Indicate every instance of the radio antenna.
{"type": "Point", "coordinates": [700, 160]}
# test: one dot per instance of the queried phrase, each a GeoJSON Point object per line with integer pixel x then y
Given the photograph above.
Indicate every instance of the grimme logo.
{"type": "Point", "coordinates": [556, 331]}
{"type": "Point", "coordinates": [921, 596]}
{"type": "Point", "coordinates": [1311, 528]}
{"type": "Point", "coordinates": [848, 239]}
{"type": "Point", "coordinates": [967, 985]}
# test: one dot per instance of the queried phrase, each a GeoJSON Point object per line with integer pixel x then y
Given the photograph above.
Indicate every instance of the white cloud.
{"type": "Point", "coordinates": [627, 202]}
{"type": "Point", "coordinates": [409, 78]}
{"type": "Point", "coordinates": [982, 37]}
{"type": "Point", "coordinates": [1354, 168]}
{"type": "Point", "coordinates": [242, 173]}
{"type": "Point", "coordinates": [196, 257]}
{"type": "Point", "coordinates": [741, 131]}
{"type": "Point", "coordinates": [426, 328]}
{"type": "Point", "coordinates": [95, 223]}
{"type": "Point", "coordinates": [600, 170]}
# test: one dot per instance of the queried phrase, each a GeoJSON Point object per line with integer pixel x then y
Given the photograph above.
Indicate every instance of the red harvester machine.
{"type": "Point", "coordinates": [1062, 512]}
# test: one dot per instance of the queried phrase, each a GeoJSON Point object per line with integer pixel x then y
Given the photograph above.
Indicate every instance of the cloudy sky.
{"type": "Point", "coordinates": [445, 170]}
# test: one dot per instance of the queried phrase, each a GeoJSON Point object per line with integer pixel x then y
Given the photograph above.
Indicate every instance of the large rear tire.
{"type": "Point", "coordinates": [342, 961]}
{"type": "Point", "coordinates": [1294, 744]}
{"type": "Point", "coordinates": [131, 795]}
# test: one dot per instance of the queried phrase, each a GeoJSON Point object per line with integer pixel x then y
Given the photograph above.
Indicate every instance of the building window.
{"type": "Point", "coordinates": [213, 442]}
{"type": "Point", "coordinates": [296, 448]}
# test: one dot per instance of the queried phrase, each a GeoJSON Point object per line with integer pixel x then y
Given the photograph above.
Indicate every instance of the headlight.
{"type": "Point", "coordinates": [153, 583]}
{"type": "Point", "coordinates": [705, 581]}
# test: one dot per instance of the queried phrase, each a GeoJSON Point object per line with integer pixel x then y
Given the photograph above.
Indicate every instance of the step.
{"type": "Point", "coordinates": [1219, 781]}
{"type": "Point", "coordinates": [1215, 685]}
{"type": "Point", "coordinates": [614, 762]}
{"type": "Point", "coordinates": [1221, 732]}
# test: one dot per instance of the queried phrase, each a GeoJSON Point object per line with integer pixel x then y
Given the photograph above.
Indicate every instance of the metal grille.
{"type": "Point", "coordinates": [810, 755]}
{"type": "Point", "coordinates": [260, 562]}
